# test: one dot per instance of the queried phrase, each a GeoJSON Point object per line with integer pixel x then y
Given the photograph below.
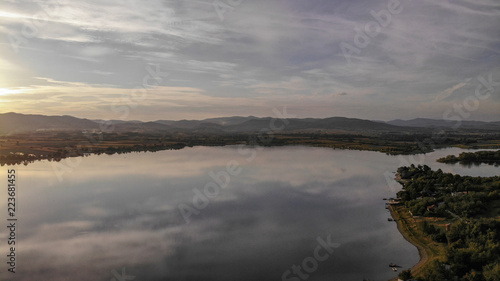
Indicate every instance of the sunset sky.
{"type": "Point", "coordinates": [378, 60]}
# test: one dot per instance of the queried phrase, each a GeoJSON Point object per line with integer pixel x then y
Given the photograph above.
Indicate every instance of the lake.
{"type": "Point", "coordinates": [214, 213]}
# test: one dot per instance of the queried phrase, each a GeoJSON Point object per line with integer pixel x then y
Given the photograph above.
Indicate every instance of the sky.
{"type": "Point", "coordinates": [196, 59]}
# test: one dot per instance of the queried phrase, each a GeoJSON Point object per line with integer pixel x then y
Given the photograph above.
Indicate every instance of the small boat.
{"type": "Point", "coordinates": [389, 219]}
{"type": "Point", "coordinates": [394, 269]}
{"type": "Point", "coordinates": [393, 265]}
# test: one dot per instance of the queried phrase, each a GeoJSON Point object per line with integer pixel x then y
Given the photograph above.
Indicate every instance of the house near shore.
{"type": "Point", "coordinates": [459, 193]}
{"type": "Point", "coordinates": [393, 201]}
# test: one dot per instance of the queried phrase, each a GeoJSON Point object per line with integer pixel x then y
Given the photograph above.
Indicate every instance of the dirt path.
{"type": "Point", "coordinates": [422, 250]}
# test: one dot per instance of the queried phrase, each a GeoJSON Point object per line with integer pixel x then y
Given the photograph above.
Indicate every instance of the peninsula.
{"type": "Point", "coordinates": [454, 222]}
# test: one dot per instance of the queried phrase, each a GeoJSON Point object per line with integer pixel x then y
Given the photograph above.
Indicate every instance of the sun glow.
{"type": "Point", "coordinates": [6, 91]}
{"type": "Point", "coordinates": [11, 15]}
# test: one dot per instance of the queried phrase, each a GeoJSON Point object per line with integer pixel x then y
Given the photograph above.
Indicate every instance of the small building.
{"type": "Point", "coordinates": [459, 193]}
{"type": "Point", "coordinates": [393, 201]}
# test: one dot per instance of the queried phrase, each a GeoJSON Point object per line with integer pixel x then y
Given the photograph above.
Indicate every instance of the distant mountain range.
{"type": "Point", "coordinates": [11, 123]}
{"type": "Point", "coordinates": [433, 123]}
{"type": "Point", "coordinates": [17, 123]}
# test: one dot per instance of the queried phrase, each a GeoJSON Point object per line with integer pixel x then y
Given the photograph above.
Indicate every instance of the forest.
{"type": "Point", "coordinates": [478, 157]}
{"type": "Point", "coordinates": [468, 207]}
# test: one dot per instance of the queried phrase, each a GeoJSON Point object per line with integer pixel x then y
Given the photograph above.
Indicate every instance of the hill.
{"type": "Point", "coordinates": [435, 123]}
{"type": "Point", "coordinates": [12, 123]}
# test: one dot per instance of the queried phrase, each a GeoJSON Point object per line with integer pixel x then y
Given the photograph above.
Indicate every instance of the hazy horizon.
{"type": "Point", "coordinates": [236, 116]}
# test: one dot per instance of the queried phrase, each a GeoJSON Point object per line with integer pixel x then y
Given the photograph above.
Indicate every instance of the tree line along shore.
{"type": "Point", "coordinates": [54, 146]}
{"type": "Point", "coordinates": [480, 157]}
{"type": "Point", "coordinates": [453, 220]}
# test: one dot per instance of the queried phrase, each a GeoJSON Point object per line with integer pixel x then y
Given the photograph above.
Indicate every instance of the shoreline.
{"type": "Point", "coordinates": [26, 157]}
{"type": "Point", "coordinates": [422, 250]}
{"type": "Point", "coordinates": [27, 148]}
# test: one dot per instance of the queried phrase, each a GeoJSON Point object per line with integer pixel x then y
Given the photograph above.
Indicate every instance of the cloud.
{"type": "Point", "coordinates": [449, 91]}
{"type": "Point", "coordinates": [274, 50]}
{"type": "Point", "coordinates": [119, 221]}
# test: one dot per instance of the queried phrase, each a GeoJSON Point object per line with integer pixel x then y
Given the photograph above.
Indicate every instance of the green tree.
{"type": "Point", "coordinates": [406, 275]}
{"type": "Point", "coordinates": [492, 272]}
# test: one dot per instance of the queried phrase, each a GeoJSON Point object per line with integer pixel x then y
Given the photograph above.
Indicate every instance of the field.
{"type": "Point", "coordinates": [15, 149]}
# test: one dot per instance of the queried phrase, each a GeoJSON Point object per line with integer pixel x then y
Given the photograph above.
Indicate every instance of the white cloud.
{"type": "Point", "coordinates": [449, 91]}
{"type": "Point", "coordinates": [264, 52]}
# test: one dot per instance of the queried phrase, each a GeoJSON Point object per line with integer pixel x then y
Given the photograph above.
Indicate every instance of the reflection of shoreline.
{"type": "Point", "coordinates": [468, 159]}
{"type": "Point", "coordinates": [125, 199]}
{"type": "Point", "coordinates": [25, 159]}
{"type": "Point", "coordinates": [22, 150]}
{"type": "Point", "coordinates": [408, 235]}
{"type": "Point", "coordinates": [469, 164]}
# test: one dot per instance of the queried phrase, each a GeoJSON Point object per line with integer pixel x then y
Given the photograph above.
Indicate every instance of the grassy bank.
{"type": "Point", "coordinates": [428, 249]}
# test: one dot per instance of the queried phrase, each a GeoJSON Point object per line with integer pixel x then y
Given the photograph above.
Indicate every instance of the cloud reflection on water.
{"type": "Point", "coordinates": [121, 211]}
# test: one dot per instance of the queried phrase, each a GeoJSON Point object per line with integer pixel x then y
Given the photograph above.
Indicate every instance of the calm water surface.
{"type": "Point", "coordinates": [116, 216]}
